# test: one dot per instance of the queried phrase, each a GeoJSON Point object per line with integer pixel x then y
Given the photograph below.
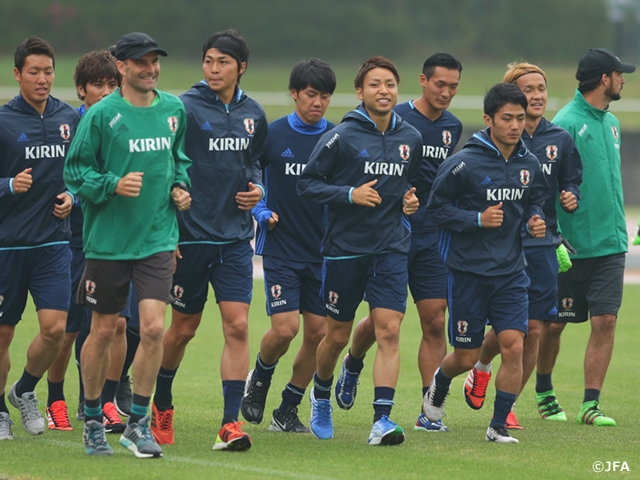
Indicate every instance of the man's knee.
{"type": "Point", "coordinates": [554, 329]}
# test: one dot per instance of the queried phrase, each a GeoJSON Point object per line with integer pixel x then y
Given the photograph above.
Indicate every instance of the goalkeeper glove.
{"type": "Point", "coordinates": [564, 262]}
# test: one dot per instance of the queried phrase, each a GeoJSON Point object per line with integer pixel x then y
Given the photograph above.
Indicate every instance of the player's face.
{"type": "Point", "coordinates": [535, 89]}
{"type": "Point", "coordinates": [36, 79]}
{"type": "Point", "coordinates": [506, 125]}
{"type": "Point", "coordinates": [615, 86]}
{"type": "Point", "coordinates": [141, 74]}
{"type": "Point", "coordinates": [440, 89]}
{"type": "Point", "coordinates": [311, 104]}
{"type": "Point", "coordinates": [379, 91]}
{"type": "Point", "coordinates": [221, 72]}
{"type": "Point", "coordinates": [96, 91]}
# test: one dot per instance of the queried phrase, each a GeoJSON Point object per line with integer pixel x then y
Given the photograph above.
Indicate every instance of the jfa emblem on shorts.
{"type": "Point", "coordinates": [90, 287]}
{"type": "Point", "coordinates": [552, 152]}
{"type": "Point", "coordinates": [446, 137]}
{"type": "Point", "coordinates": [173, 124]}
{"type": "Point", "coordinates": [65, 132]}
{"type": "Point", "coordinates": [405, 152]}
{"type": "Point", "coordinates": [249, 125]}
{"type": "Point", "coordinates": [333, 297]}
{"type": "Point", "coordinates": [567, 303]}
{"type": "Point", "coordinates": [276, 291]}
{"type": "Point", "coordinates": [178, 291]}
{"type": "Point", "coordinates": [463, 327]}
{"type": "Point", "coordinates": [525, 177]}
{"type": "Point", "coordinates": [614, 130]}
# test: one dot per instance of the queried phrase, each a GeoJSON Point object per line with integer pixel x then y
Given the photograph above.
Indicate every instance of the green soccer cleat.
{"type": "Point", "coordinates": [549, 408]}
{"type": "Point", "coordinates": [590, 414]}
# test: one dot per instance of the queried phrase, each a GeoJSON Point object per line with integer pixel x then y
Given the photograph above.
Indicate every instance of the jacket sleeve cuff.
{"type": "Point", "coordinates": [350, 192]}
{"type": "Point", "coordinates": [11, 186]}
{"type": "Point", "coordinates": [479, 221]}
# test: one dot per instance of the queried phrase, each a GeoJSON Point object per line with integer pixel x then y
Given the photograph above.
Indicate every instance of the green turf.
{"type": "Point", "coordinates": [179, 74]}
{"type": "Point", "coordinates": [547, 450]}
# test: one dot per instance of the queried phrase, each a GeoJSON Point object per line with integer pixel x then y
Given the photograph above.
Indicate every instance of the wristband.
{"type": "Point", "coordinates": [180, 185]}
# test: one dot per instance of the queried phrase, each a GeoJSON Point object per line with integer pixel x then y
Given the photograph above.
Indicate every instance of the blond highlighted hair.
{"type": "Point", "coordinates": [516, 70]}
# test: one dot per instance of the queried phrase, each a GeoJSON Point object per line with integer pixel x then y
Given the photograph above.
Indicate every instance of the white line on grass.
{"type": "Point", "coordinates": [203, 463]}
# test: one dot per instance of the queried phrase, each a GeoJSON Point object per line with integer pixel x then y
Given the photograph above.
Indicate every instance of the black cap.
{"type": "Point", "coordinates": [136, 45]}
{"type": "Point", "coordinates": [598, 61]}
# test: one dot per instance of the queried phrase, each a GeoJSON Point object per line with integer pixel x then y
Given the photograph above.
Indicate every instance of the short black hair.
{"type": "Point", "coordinates": [501, 94]}
{"type": "Point", "coordinates": [32, 46]}
{"type": "Point", "coordinates": [228, 42]}
{"type": "Point", "coordinates": [440, 60]}
{"type": "Point", "coordinates": [314, 73]}
{"type": "Point", "coordinates": [591, 84]}
{"type": "Point", "coordinates": [372, 63]}
{"type": "Point", "coordinates": [94, 66]}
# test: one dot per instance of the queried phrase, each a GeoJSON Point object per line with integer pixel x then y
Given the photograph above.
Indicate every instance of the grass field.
{"type": "Point", "coordinates": [179, 75]}
{"type": "Point", "coordinates": [547, 450]}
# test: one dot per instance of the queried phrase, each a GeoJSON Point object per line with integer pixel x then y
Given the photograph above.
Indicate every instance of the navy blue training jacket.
{"type": "Point", "coordinates": [467, 184]}
{"type": "Point", "coordinates": [439, 139]}
{"type": "Point", "coordinates": [40, 142]}
{"type": "Point", "coordinates": [350, 155]}
{"type": "Point", "coordinates": [561, 163]}
{"type": "Point", "coordinates": [225, 143]}
{"type": "Point", "coordinates": [298, 234]}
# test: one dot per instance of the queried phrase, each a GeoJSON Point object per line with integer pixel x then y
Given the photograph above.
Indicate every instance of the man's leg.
{"type": "Point", "coordinates": [6, 335]}
{"type": "Point", "coordinates": [508, 382]}
{"type": "Point", "coordinates": [57, 412]}
{"type": "Point", "coordinates": [274, 344]}
{"type": "Point", "coordinates": [433, 345]}
{"type": "Point", "coordinates": [596, 363]}
{"type": "Point", "coordinates": [113, 422]}
{"type": "Point", "coordinates": [386, 368]}
{"type": "Point", "coordinates": [548, 350]}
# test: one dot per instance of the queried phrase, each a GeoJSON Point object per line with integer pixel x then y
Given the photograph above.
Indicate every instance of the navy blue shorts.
{"type": "Point", "coordinates": [475, 300]}
{"type": "Point", "coordinates": [292, 286]}
{"type": "Point", "coordinates": [590, 288]}
{"type": "Point", "coordinates": [428, 277]}
{"type": "Point", "coordinates": [43, 271]}
{"type": "Point", "coordinates": [382, 278]}
{"type": "Point", "coordinates": [228, 267]}
{"type": "Point", "coordinates": [78, 314]}
{"type": "Point", "coordinates": [542, 270]}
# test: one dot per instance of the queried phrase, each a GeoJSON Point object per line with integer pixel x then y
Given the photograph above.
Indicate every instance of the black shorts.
{"type": "Point", "coordinates": [591, 287]}
{"type": "Point", "coordinates": [105, 283]}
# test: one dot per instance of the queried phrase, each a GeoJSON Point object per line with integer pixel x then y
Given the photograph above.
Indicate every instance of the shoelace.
{"type": "Point", "coordinates": [478, 390]}
{"type": "Point", "coordinates": [438, 397]}
{"type": "Point", "coordinates": [29, 407]}
{"type": "Point", "coordinates": [233, 430]}
{"type": "Point", "coordinates": [324, 410]}
{"type": "Point", "coordinates": [5, 425]}
{"type": "Point", "coordinates": [60, 416]}
{"type": "Point", "coordinates": [257, 392]}
{"type": "Point", "coordinates": [351, 379]}
{"type": "Point", "coordinates": [97, 438]}
{"type": "Point", "coordinates": [166, 420]}
{"type": "Point", "coordinates": [591, 414]}
{"type": "Point", "coordinates": [112, 415]}
{"type": "Point", "coordinates": [550, 406]}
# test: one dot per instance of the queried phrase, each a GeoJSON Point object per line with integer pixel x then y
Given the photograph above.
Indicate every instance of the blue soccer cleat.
{"type": "Point", "coordinates": [386, 432]}
{"type": "Point", "coordinates": [346, 387]}
{"type": "Point", "coordinates": [426, 425]}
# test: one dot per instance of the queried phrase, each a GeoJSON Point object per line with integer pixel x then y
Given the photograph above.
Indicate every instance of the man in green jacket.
{"type": "Point", "coordinates": [128, 165]}
{"type": "Point", "coordinates": [593, 286]}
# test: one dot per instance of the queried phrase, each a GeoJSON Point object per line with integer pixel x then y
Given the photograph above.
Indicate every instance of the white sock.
{"type": "Point", "coordinates": [482, 367]}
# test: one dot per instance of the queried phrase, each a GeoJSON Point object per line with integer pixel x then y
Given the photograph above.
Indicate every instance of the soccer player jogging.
{"type": "Point", "coordinates": [362, 171]}
{"type": "Point", "coordinates": [226, 136]}
{"type": "Point", "coordinates": [562, 166]}
{"type": "Point", "coordinates": [34, 226]}
{"type": "Point", "coordinates": [289, 239]}
{"type": "Point", "coordinates": [592, 288]}
{"type": "Point", "coordinates": [440, 131]}
{"type": "Point", "coordinates": [128, 165]}
{"type": "Point", "coordinates": [96, 76]}
{"type": "Point", "coordinates": [482, 197]}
